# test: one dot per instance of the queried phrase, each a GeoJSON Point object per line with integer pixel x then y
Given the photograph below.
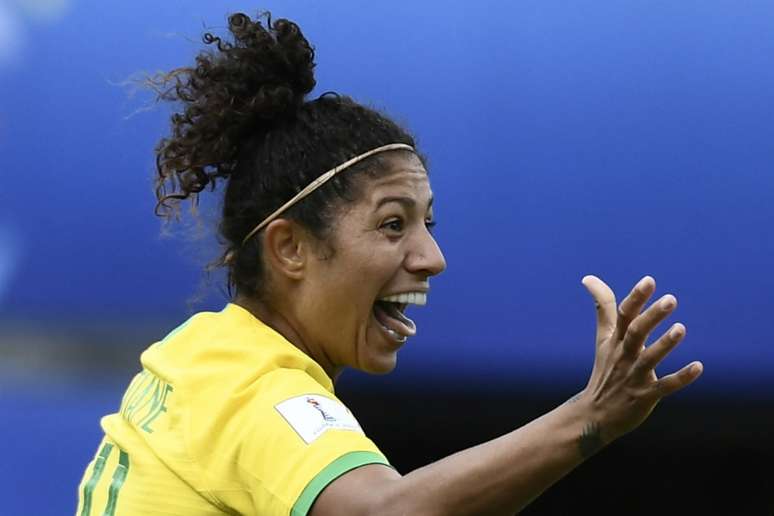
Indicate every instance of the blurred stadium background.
{"type": "Point", "coordinates": [565, 138]}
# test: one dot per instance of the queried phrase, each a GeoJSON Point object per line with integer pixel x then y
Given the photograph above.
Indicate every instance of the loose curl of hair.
{"type": "Point", "coordinates": [245, 120]}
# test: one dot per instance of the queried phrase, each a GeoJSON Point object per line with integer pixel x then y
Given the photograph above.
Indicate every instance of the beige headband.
{"type": "Point", "coordinates": [317, 183]}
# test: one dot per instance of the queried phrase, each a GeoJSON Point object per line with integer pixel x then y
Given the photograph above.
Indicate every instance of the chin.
{"type": "Point", "coordinates": [381, 365]}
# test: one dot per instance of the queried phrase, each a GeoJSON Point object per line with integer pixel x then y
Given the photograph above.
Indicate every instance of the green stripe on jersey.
{"type": "Point", "coordinates": [99, 466]}
{"type": "Point", "coordinates": [331, 472]}
{"type": "Point", "coordinates": [115, 486]}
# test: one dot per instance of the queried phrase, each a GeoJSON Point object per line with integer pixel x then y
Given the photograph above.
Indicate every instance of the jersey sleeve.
{"type": "Point", "coordinates": [297, 438]}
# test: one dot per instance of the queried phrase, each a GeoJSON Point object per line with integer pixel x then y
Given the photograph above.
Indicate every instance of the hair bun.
{"type": "Point", "coordinates": [262, 75]}
{"type": "Point", "coordinates": [266, 72]}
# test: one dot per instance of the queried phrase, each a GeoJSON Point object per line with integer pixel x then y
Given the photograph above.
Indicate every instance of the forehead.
{"type": "Point", "coordinates": [405, 176]}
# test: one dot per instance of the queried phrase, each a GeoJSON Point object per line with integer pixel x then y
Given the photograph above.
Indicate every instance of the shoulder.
{"type": "Point", "coordinates": [282, 437]}
{"type": "Point", "coordinates": [229, 343]}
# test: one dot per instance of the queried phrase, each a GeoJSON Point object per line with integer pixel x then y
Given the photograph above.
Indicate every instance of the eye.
{"type": "Point", "coordinates": [430, 224]}
{"type": "Point", "coordinates": [393, 226]}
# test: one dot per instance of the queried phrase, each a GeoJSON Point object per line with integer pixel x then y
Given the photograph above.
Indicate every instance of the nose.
{"type": "Point", "coordinates": [425, 257]}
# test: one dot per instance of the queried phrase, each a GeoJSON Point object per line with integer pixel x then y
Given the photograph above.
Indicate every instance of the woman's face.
{"type": "Point", "coordinates": [382, 247]}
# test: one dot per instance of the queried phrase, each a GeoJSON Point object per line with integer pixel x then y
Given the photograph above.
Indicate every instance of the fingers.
{"type": "Point", "coordinates": [655, 353]}
{"type": "Point", "coordinates": [639, 329]}
{"type": "Point", "coordinates": [632, 305]}
{"type": "Point", "coordinates": [672, 383]}
{"type": "Point", "coordinates": [605, 302]}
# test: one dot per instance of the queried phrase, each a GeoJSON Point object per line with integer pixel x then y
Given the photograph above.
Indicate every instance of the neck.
{"type": "Point", "coordinates": [290, 328]}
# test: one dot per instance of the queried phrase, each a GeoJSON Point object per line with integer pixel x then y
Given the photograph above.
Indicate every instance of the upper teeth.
{"type": "Point", "coordinates": [414, 298]}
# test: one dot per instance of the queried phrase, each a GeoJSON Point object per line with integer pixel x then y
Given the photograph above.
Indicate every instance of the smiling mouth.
{"type": "Point", "coordinates": [393, 321]}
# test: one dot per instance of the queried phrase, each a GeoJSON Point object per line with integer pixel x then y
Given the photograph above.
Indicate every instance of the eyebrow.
{"type": "Point", "coordinates": [407, 202]}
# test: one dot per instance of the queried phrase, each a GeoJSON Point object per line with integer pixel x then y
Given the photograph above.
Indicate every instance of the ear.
{"type": "Point", "coordinates": [285, 247]}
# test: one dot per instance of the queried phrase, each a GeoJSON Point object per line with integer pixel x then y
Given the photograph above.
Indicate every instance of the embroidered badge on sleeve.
{"type": "Point", "coordinates": [311, 415]}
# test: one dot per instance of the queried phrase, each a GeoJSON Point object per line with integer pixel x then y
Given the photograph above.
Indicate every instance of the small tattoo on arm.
{"type": "Point", "coordinates": [590, 441]}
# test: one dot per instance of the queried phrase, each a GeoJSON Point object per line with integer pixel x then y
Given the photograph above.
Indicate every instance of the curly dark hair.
{"type": "Point", "coordinates": [245, 120]}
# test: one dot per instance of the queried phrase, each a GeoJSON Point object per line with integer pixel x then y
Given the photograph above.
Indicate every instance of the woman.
{"type": "Point", "coordinates": [326, 228]}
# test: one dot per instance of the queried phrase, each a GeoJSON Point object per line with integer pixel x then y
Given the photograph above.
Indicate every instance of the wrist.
{"type": "Point", "coordinates": [591, 433]}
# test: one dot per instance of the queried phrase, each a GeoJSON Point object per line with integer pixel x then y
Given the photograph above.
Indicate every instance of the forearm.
{"type": "Point", "coordinates": [504, 475]}
{"type": "Point", "coordinates": [500, 476]}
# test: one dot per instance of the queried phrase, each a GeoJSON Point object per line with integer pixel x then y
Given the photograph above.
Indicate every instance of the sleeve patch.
{"type": "Point", "coordinates": [311, 415]}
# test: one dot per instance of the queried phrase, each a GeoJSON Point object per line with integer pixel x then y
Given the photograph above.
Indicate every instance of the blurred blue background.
{"type": "Point", "coordinates": [611, 138]}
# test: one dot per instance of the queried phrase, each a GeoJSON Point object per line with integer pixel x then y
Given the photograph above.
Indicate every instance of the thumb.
{"type": "Point", "coordinates": [604, 299]}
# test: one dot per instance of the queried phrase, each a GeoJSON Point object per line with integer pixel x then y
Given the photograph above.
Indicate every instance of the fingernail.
{"type": "Point", "coordinates": [668, 302]}
{"type": "Point", "coordinates": [675, 333]}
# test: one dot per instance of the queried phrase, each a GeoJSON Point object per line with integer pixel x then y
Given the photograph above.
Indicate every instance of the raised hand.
{"type": "Point", "coordinates": [624, 388]}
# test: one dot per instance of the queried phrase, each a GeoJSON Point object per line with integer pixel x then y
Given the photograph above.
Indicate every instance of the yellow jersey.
{"type": "Point", "coordinates": [226, 416]}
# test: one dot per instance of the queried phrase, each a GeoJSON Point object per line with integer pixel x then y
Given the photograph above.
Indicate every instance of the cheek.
{"type": "Point", "coordinates": [367, 274]}
{"type": "Point", "coordinates": [347, 303]}
{"type": "Point", "coordinates": [352, 286]}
